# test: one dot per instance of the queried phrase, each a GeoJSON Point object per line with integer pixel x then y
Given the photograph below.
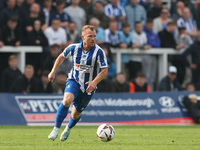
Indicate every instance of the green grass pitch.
{"type": "Point", "coordinates": [84, 138]}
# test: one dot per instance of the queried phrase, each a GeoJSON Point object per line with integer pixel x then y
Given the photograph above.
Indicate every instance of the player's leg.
{"type": "Point", "coordinates": [74, 118]}
{"type": "Point", "coordinates": [63, 109]}
{"type": "Point", "coordinates": [80, 103]}
{"type": "Point", "coordinates": [61, 114]}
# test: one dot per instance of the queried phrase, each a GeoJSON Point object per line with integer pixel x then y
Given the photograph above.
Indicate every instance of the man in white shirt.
{"type": "Point", "coordinates": [55, 34]}
{"type": "Point", "coordinates": [139, 41]}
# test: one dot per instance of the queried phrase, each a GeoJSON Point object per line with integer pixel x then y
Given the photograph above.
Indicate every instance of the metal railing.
{"type": "Point", "coordinates": [21, 51]}
{"type": "Point", "coordinates": [162, 53]}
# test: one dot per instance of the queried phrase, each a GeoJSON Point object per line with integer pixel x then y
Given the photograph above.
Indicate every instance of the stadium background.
{"type": "Point", "coordinates": [23, 38]}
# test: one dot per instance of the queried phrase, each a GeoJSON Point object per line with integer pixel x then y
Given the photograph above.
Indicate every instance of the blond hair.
{"type": "Point", "coordinates": [29, 67]}
{"type": "Point", "coordinates": [87, 27]}
{"type": "Point", "coordinates": [11, 57]}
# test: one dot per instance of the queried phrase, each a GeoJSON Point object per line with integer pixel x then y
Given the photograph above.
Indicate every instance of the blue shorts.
{"type": "Point", "coordinates": [81, 99]}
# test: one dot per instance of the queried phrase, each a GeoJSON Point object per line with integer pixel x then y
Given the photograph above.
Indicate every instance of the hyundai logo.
{"type": "Point", "coordinates": [166, 101]}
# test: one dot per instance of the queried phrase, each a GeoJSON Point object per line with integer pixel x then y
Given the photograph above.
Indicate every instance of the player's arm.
{"type": "Point", "coordinates": [57, 63]}
{"type": "Point", "coordinates": [91, 85]}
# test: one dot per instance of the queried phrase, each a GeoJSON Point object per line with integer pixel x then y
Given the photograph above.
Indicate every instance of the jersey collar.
{"type": "Point", "coordinates": [81, 47]}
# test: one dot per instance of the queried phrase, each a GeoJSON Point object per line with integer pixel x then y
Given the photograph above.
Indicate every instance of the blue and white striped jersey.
{"type": "Point", "coordinates": [189, 25]}
{"type": "Point", "coordinates": [118, 11]}
{"type": "Point", "coordinates": [86, 64]}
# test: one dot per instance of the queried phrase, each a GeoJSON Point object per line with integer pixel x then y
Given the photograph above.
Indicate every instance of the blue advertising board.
{"type": "Point", "coordinates": [118, 108]}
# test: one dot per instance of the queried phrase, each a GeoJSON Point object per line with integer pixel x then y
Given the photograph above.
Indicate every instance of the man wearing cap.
{"type": "Point", "coordinates": [170, 82]}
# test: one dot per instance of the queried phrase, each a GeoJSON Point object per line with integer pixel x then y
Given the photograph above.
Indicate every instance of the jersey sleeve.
{"type": "Point", "coordinates": [67, 52]}
{"type": "Point", "coordinates": [102, 60]}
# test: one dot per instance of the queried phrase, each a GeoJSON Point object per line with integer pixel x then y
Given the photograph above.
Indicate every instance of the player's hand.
{"type": "Point", "coordinates": [51, 76]}
{"type": "Point", "coordinates": [91, 86]}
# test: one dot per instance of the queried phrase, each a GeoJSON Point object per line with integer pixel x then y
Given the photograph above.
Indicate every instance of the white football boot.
{"type": "Point", "coordinates": [65, 134]}
{"type": "Point", "coordinates": [54, 133]}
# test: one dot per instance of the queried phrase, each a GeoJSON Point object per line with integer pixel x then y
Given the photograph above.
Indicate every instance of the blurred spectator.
{"type": "Point", "coordinates": [99, 14]}
{"type": "Point", "coordinates": [152, 38]}
{"type": "Point", "coordinates": [34, 15]}
{"type": "Point", "coordinates": [139, 84]}
{"type": "Point", "coordinates": [115, 12]}
{"type": "Point", "coordinates": [168, 41]}
{"type": "Point", "coordinates": [10, 34]}
{"type": "Point", "coordinates": [76, 13]}
{"type": "Point", "coordinates": [188, 23]}
{"type": "Point", "coordinates": [125, 35]}
{"type": "Point", "coordinates": [103, 86]}
{"type": "Point", "coordinates": [160, 22]}
{"type": "Point", "coordinates": [36, 36]}
{"type": "Point", "coordinates": [44, 86]}
{"type": "Point", "coordinates": [50, 59]}
{"type": "Point", "coordinates": [87, 5]}
{"type": "Point", "coordinates": [59, 85]}
{"type": "Point", "coordinates": [73, 36]}
{"type": "Point", "coordinates": [10, 74]}
{"type": "Point", "coordinates": [19, 3]}
{"type": "Point", "coordinates": [154, 11]}
{"type": "Point", "coordinates": [184, 73]}
{"type": "Point", "coordinates": [66, 66]}
{"type": "Point", "coordinates": [190, 87]}
{"type": "Point", "coordinates": [193, 50]}
{"type": "Point", "coordinates": [120, 84]}
{"type": "Point", "coordinates": [167, 33]}
{"type": "Point", "coordinates": [187, 3]}
{"type": "Point", "coordinates": [170, 82]}
{"type": "Point", "coordinates": [179, 11]}
{"type": "Point", "coordinates": [26, 83]}
{"type": "Point", "coordinates": [55, 34]}
{"type": "Point", "coordinates": [59, 14]}
{"type": "Point", "coordinates": [25, 8]}
{"type": "Point", "coordinates": [48, 11]}
{"type": "Point", "coordinates": [111, 65]}
{"type": "Point", "coordinates": [10, 11]}
{"type": "Point", "coordinates": [139, 37]}
{"type": "Point", "coordinates": [149, 62]}
{"type": "Point", "coordinates": [112, 35]}
{"type": "Point", "coordinates": [99, 31]}
{"type": "Point", "coordinates": [183, 37]}
{"type": "Point", "coordinates": [193, 106]}
{"type": "Point", "coordinates": [135, 13]}
{"type": "Point", "coordinates": [139, 41]}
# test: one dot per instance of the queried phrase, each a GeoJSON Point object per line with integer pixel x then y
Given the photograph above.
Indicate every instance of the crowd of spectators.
{"type": "Point", "coordinates": [132, 24]}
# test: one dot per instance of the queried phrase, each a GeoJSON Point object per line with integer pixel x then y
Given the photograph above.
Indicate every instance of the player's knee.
{"type": "Point", "coordinates": [68, 99]}
{"type": "Point", "coordinates": [75, 115]}
{"type": "Point", "coordinates": [66, 103]}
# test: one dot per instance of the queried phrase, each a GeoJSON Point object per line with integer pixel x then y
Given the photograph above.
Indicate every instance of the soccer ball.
{"type": "Point", "coordinates": [105, 132]}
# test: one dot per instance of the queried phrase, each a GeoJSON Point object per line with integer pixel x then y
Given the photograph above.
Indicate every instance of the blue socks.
{"type": "Point", "coordinates": [61, 115]}
{"type": "Point", "coordinates": [72, 122]}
